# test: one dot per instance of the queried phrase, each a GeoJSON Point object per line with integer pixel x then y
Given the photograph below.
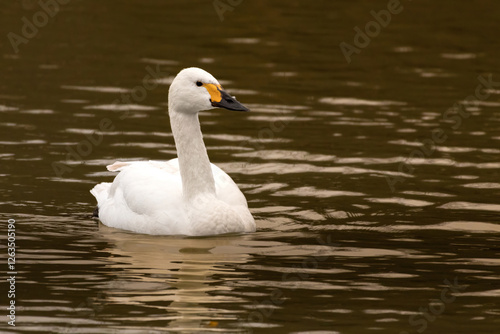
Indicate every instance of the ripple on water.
{"type": "Point", "coordinates": [286, 155]}
{"type": "Point", "coordinates": [352, 101]}
{"type": "Point", "coordinates": [24, 142]}
{"type": "Point", "coordinates": [470, 206]}
{"type": "Point", "coordinates": [122, 107]}
{"type": "Point", "coordinates": [401, 201]}
{"type": "Point", "coordinates": [465, 177]}
{"type": "Point", "coordinates": [66, 179]}
{"type": "Point", "coordinates": [361, 122]}
{"type": "Point", "coordinates": [283, 168]}
{"type": "Point", "coordinates": [38, 111]}
{"type": "Point", "coordinates": [273, 119]}
{"type": "Point", "coordinates": [430, 194]}
{"type": "Point", "coordinates": [243, 40]}
{"type": "Point", "coordinates": [75, 101]}
{"type": "Point", "coordinates": [89, 131]}
{"type": "Point", "coordinates": [159, 61]}
{"type": "Point", "coordinates": [482, 185]}
{"type": "Point", "coordinates": [464, 226]}
{"type": "Point", "coordinates": [98, 89]}
{"type": "Point", "coordinates": [387, 257]}
{"type": "Point", "coordinates": [143, 145]}
{"type": "Point", "coordinates": [4, 108]}
{"type": "Point", "coordinates": [316, 193]}
{"type": "Point", "coordinates": [276, 108]}
{"type": "Point", "coordinates": [459, 56]}
{"type": "Point", "coordinates": [164, 80]}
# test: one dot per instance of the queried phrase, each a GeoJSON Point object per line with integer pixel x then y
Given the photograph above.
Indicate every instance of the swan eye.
{"type": "Point", "coordinates": [199, 83]}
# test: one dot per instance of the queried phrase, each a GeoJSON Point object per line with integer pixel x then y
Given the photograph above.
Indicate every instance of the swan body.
{"type": "Point", "coordinates": [187, 195]}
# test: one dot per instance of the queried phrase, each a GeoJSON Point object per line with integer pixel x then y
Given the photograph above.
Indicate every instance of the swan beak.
{"type": "Point", "coordinates": [221, 99]}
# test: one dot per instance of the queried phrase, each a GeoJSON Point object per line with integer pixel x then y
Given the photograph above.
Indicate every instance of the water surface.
{"type": "Point", "coordinates": [366, 222]}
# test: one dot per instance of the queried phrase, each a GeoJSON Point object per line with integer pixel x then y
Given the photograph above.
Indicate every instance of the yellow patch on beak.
{"type": "Point", "coordinates": [214, 91]}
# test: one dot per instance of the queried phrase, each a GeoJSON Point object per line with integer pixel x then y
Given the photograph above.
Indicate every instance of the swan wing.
{"type": "Point", "coordinates": [145, 197]}
{"type": "Point", "coordinates": [225, 188]}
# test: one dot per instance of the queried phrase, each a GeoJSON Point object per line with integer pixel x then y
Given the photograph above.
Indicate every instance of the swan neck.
{"type": "Point", "coordinates": [194, 164]}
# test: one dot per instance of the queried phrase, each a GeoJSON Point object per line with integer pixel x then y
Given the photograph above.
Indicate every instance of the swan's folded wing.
{"type": "Point", "coordinates": [145, 187]}
{"type": "Point", "coordinates": [227, 191]}
{"type": "Point", "coordinates": [145, 196]}
{"type": "Point", "coordinates": [139, 177]}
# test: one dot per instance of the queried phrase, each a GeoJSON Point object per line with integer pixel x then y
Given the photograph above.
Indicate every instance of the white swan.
{"type": "Point", "coordinates": [188, 195]}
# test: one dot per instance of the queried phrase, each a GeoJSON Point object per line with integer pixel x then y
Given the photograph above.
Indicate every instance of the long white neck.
{"type": "Point", "coordinates": [196, 172]}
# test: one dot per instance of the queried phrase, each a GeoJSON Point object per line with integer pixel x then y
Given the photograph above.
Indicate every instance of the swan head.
{"type": "Point", "coordinates": [194, 90]}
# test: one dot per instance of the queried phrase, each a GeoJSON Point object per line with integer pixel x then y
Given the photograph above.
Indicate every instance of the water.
{"type": "Point", "coordinates": [338, 249]}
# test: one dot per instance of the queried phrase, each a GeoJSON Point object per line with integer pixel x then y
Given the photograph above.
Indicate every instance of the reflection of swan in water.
{"type": "Point", "coordinates": [174, 275]}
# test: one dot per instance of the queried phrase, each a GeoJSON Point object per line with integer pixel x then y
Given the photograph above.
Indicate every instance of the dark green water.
{"type": "Point", "coordinates": [374, 186]}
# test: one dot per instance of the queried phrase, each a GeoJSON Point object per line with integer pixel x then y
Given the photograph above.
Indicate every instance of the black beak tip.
{"type": "Point", "coordinates": [242, 108]}
{"type": "Point", "coordinates": [230, 103]}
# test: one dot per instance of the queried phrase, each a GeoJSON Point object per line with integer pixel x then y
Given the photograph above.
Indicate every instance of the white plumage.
{"type": "Point", "coordinates": [188, 195]}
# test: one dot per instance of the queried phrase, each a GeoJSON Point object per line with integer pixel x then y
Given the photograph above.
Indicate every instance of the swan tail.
{"type": "Point", "coordinates": [118, 166]}
{"type": "Point", "coordinates": [101, 192]}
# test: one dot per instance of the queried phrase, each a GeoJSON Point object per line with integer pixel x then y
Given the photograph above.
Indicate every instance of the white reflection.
{"type": "Point", "coordinates": [175, 275]}
{"type": "Point", "coordinates": [470, 206]}
{"type": "Point", "coordinates": [113, 90]}
{"type": "Point", "coordinates": [352, 101]}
